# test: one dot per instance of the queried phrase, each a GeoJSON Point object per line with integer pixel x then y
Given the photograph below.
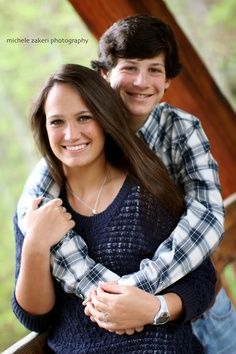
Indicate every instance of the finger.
{"type": "Point", "coordinates": [68, 216]}
{"type": "Point", "coordinates": [86, 301]}
{"type": "Point", "coordinates": [102, 296]}
{"type": "Point", "coordinates": [103, 325]}
{"type": "Point", "coordinates": [120, 332]}
{"type": "Point", "coordinates": [112, 288]}
{"type": "Point", "coordinates": [139, 329]}
{"type": "Point", "coordinates": [98, 315]}
{"type": "Point", "coordinates": [35, 203]}
{"type": "Point", "coordinates": [69, 226]}
{"type": "Point", "coordinates": [61, 209]}
{"type": "Point", "coordinates": [57, 201]}
{"type": "Point", "coordinates": [87, 311]}
{"type": "Point", "coordinates": [92, 294]}
{"type": "Point", "coordinates": [100, 292]}
{"type": "Point", "coordinates": [99, 305]}
{"type": "Point", "coordinates": [101, 317]}
{"type": "Point", "coordinates": [130, 331]}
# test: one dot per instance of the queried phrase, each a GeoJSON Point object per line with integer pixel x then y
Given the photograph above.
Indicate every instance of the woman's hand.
{"type": "Point", "coordinates": [121, 308]}
{"type": "Point", "coordinates": [47, 225]}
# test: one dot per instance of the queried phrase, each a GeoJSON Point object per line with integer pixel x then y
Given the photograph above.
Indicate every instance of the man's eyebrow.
{"type": "Point", "coordinates": [131, 61]}
{"type": "Point", "coordinates": [157, 64]}
{"type": "Point", "coordinates": [134, 61]}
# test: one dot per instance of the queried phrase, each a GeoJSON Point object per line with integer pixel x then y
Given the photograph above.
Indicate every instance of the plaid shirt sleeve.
{"type": "Point", "coordinates": [198, 232]}
{"type": "Point", "coordinates": [39, 183]}
{"type": "Point", "coordinates": [71, 252]}
{"type": "Point", "coordinates": [185, 150]}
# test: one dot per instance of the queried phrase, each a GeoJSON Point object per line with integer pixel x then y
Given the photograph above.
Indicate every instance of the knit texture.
{"type": "Point", "coordinates": [129, 230]}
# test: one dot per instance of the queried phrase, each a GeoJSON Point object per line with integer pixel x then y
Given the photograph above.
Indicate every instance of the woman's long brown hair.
{"type": "Point", "coordinates": [123, 148]}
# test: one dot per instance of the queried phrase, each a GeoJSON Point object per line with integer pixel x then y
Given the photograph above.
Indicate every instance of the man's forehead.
{"type": "Point", "coordinates": [157, 60]}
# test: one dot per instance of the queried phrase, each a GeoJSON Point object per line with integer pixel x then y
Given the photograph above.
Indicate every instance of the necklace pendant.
{"type": "Point", "coordinates": [94, 211]}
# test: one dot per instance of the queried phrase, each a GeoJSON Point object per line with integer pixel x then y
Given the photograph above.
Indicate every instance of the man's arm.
{"type": "Point", "coordinates": [179, 140]}
{"type": "Point", "coordinates": [198, 232]}
{"type": "Point", "coordinates": [196, 235]}
{"type": "Point", "coordinates": [128, 307]}
{"type": "Point", "coordinates": [39, 184]}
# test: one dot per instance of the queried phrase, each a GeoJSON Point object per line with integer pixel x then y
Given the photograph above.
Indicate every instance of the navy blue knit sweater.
{"type": "Point", "coordinates": [129, 230]}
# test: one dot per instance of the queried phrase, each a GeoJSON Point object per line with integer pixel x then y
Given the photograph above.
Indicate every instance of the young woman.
{"type": "Point", "coordinates": [118, 196]}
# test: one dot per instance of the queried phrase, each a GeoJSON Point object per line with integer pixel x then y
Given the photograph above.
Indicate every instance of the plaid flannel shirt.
{"type": "Point", "coordinates": [179, 140]}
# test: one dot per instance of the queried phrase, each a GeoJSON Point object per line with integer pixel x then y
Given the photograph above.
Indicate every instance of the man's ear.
{"type": "Point", "coordinates": [105, 74]}
{"type": "Point", "coordinates": [167, 84]}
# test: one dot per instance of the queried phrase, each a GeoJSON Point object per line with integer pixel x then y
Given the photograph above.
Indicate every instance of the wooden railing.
{"type": "Point", "coordinates": [224, 255]}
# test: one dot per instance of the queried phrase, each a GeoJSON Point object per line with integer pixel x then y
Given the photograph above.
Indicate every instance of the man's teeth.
{"type": "Point", "coordinates": [76, 147]}
{"type": "Point", "coordinates": [140, 95]}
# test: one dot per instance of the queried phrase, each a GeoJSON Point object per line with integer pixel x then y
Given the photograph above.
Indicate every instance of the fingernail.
{"type": "Point", "coordinates": [85, 302]}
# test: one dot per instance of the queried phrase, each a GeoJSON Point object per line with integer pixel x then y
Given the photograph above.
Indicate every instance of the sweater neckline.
{"type": "Point", "coordinates": [105, 214]}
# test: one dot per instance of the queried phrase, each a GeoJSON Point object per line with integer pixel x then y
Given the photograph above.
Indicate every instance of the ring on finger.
{"type": "Point", "coordinates": [105, 317]}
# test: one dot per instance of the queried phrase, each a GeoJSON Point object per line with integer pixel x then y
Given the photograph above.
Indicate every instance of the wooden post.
{"type": "Point", "coordinates": [194, 90]}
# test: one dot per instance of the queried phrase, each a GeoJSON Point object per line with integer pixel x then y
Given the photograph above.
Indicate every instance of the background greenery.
{"type": "Point", "coordinates": [23, 69]}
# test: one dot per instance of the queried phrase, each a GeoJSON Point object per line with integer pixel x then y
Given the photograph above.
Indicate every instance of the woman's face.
{"type": "Point", "coordinates": [74, 135]}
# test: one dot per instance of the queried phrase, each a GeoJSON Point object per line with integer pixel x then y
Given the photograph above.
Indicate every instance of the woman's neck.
{"type": "Point", "coordinates": [81, 180]}
{"type": "Point", "coordinates": [92, 191]}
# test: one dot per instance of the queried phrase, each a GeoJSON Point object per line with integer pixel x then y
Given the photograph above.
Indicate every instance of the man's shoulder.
{"type": "Point", "coordinates": [175, 113]}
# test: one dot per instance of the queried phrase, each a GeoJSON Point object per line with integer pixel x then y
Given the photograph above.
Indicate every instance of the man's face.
{"type": "Point", "coordinates": [141, 85]}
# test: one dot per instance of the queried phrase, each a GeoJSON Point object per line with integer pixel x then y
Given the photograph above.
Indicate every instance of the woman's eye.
{"type": "Point", "coordinates": [85, 118]}
{"type": "Point", "coordinates": [56, 122]}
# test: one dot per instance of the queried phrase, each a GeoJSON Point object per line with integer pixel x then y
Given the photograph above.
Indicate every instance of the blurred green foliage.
{"type": "Point", "coordinates": [23, 69]}
{"type": "Point", "coordinates": [210, 26]}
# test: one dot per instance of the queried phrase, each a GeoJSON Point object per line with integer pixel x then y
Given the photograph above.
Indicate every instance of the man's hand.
{"type": "Point", "coordinates": [121, 308]}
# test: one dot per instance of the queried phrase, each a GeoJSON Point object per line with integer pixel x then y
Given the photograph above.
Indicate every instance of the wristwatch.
{"type": "Point", "coordinates": [163, 315]}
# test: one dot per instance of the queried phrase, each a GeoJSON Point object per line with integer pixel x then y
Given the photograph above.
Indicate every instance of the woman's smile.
{"type": "Point", "coordinates": [78, 147]}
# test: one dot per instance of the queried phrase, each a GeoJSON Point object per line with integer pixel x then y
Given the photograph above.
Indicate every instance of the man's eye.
{"type": "Point", "coordinates": [129, 68]}
{"type": "Point", "coordinates": [157, 71]}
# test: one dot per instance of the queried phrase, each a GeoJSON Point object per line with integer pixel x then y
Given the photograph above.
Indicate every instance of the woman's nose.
{"type": "Point", "coordinates": [71, 132]}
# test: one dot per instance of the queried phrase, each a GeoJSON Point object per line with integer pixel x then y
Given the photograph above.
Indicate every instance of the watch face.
{"type": "Point", "coordinates": [161, 319]}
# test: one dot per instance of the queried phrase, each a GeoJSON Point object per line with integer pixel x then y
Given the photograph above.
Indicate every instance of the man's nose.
{"type": "Point", "coordinates": [141, 79]}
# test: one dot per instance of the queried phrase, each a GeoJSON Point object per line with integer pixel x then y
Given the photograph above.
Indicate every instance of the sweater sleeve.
{"type": "Point", "coordinates": [39, 323]}
{"type": "Point", "coordinates": [196, 290]}
{"type": "Point", "coordinates": [173, 259]}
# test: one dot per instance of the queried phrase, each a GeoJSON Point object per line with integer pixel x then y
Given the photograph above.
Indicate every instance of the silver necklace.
{"type": "Point", "coordinates": [94, 209]}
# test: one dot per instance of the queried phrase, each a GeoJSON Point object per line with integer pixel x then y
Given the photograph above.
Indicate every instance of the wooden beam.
{"type": "Point", "coordinates": [194, 90]}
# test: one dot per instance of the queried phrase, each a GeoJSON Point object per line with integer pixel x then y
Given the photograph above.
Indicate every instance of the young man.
{"type": "Point", "coordinates": [138, 56]}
